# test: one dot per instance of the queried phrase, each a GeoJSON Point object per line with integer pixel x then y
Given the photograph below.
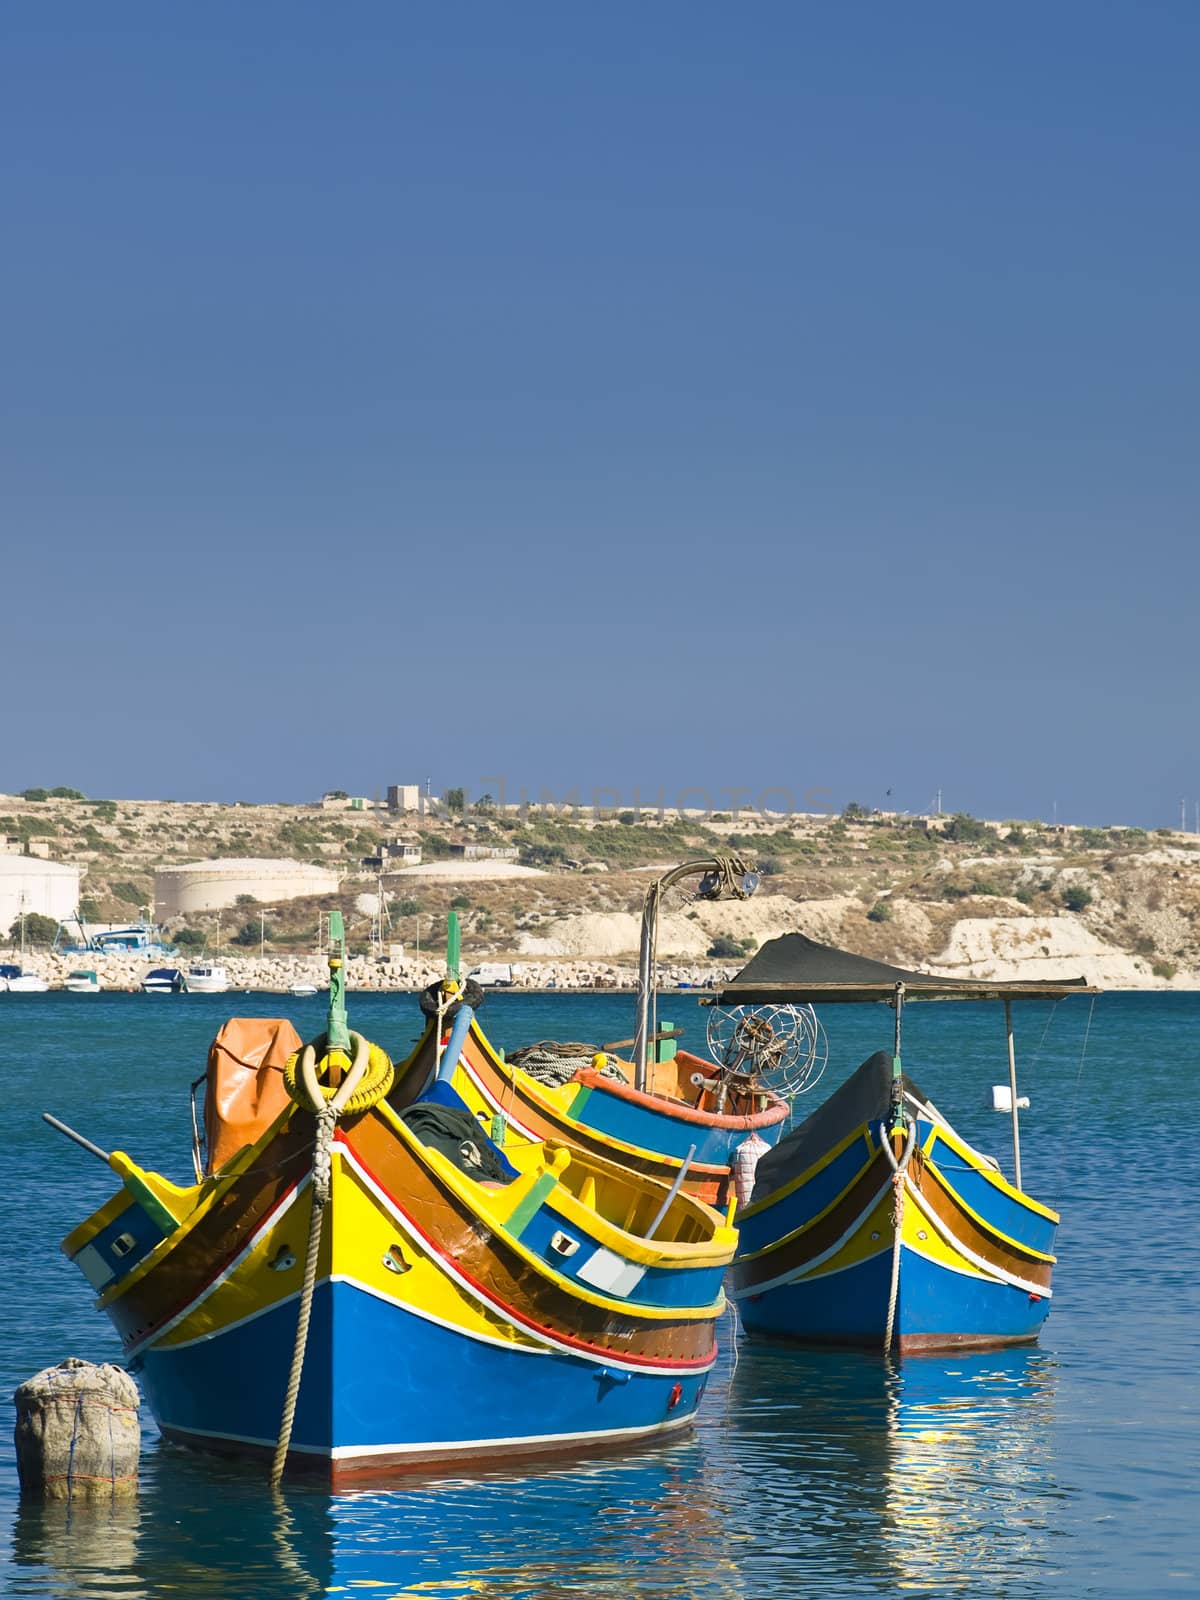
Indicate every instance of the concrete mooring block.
{"type": "Point", "coordinates": [77, 1432]}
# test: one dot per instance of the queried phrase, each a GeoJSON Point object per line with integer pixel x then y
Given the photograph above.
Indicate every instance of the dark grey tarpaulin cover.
{"type": "Point", "coordinates": [796, 970]}
{"type": "Point", "coordinates": [864, 1097]}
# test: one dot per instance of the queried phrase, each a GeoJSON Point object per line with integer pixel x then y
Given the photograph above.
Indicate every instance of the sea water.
{"type": "Point", "coordinates": [1069, 1468]}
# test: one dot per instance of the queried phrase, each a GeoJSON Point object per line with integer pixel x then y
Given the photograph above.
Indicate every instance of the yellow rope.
{"type": "Point", "coordinates": [376, 1080]}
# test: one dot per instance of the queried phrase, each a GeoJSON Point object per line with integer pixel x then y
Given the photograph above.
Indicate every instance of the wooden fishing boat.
{"type": "Point", "coordinates": [666, 1130]}
{"type": "Point", "coordinates": [873, 1223]}
{"type": "Point", "coordinates": [357, 1284]}
{"type": "Point", "coordinates": [666, 1113]}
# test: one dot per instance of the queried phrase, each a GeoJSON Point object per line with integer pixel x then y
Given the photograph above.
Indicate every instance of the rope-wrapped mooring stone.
{"type": "Point", "coordinates": [77, 1432]}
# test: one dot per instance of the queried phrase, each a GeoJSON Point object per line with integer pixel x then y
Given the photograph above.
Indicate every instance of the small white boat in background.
{"type": "Point", "coordinates": [18, 982]}
{"type": "Point", "coordinates": [84, 981]}
{"type": "Point", "coordinates": [163, 980]}
{"type": "Point", "coordinates": [206, 977]}
{"type": "Point", "coordinates": [302, 988]}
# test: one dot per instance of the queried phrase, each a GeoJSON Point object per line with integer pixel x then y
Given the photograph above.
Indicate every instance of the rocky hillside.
{"type": "Point", "coordinates": [1119, 905]}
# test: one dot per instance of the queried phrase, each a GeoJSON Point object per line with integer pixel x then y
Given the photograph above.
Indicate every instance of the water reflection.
{"type": "Point", "coordinates": [913, 1477]}
{"type": "Point", "coordinates": [200, 1528]}
{"type": "Point", "coordinates": [621, 1526]}
{"type": "Point", "coordinates": [82, 1550]}
{"type": "Point", "coordinates": [811, 1473]}
{"type": "Point", "coordinates": [969, 1484]}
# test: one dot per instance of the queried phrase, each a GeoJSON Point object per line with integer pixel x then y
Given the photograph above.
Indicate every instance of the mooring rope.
{"type": "Point", "coordinates": [899, 1181]}
{"type": "Point", "coordinates": [322, 1171]}
{"type": "Point", "coordinates": [308, 1094]}
{"type": "Point", "coordinates": [1064, 1145]}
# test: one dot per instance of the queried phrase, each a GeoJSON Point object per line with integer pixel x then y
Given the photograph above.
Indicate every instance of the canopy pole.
{"type": "Point", "coordinates": [716, 873]}
{"type": "Point", "coordinates": [1012, 1091]}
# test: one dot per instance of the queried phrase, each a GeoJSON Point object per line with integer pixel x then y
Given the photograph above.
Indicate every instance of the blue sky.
{"type": "Point", "coordinates": [662, 396]}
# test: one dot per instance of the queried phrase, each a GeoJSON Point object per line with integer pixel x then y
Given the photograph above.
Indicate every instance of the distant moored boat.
{"type": "Point", "coordinates": [206, 977]}
{"type": "Point", "coordinates": [83, 981]}
{"type": "Point", "coordinates": [20, 982]}
{"type": "Point", "coordinates": [163, 980]}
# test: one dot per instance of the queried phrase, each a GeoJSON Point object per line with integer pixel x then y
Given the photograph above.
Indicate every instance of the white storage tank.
{"type": "Point", "coordinates": [215, 885]}
{"type": "Point", "coordinates": [29, 884]}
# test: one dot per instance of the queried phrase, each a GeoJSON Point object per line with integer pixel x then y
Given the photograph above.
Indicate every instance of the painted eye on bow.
{"type": "Point", "coordinates": [394, 1260]}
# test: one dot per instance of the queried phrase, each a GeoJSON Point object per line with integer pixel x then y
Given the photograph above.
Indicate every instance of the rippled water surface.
{"type": "Point", "coordinates": [1066, 1469]}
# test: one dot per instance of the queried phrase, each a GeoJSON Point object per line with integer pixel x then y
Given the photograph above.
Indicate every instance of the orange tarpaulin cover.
{"type": "Point", "coordinates": [245, 1091]}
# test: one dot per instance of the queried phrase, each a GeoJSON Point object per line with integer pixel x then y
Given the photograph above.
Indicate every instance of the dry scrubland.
{"type": "Point", "coordinates": [1119, 905]}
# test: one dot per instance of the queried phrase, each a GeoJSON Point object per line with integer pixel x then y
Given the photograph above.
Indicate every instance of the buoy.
{"type": "Point", "coordinates": [744, 1162]}
{"type": "Point", "coordinates": [1002, 1098]}
{"type": "Point", "coordinates": [77, 1432]}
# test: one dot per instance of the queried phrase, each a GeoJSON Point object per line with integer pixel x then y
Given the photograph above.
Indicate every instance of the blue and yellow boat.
{"type": "Point", "coordinates": [873, 1223]}
{"type": "Point", "coordinates": [357, 1286]}
{"type": "Point", "coordinates": [664, 1112]}
{"type": "Point", "coordinates": [668, 1130]}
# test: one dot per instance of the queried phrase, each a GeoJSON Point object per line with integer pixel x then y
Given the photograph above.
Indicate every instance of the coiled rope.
{"type": "Point", "coordinates": [555, 1062]}
{"type": "Point", "coordinates": [368, 1079]}
{"type": "Point", "coordinates": [899, 1170]}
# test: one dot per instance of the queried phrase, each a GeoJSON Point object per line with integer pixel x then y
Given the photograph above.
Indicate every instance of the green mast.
{"type": "Point", "coordinates": [453, 946]}
{"type": "Point", "coordinates": [337, 1029]}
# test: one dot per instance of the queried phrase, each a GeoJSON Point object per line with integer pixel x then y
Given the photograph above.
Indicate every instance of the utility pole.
{"type": "Point", "coordinates": [1054, 813]}
{"type": "Point", "coordinates": [1183, 814]}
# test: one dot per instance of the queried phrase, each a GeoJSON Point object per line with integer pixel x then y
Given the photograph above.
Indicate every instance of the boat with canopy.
{"type": "Point", "coordinates": [873, 1222]}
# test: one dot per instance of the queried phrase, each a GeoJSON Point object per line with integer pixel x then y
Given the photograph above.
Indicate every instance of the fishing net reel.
{"type": "Point", "coordinates": [780, 1049]}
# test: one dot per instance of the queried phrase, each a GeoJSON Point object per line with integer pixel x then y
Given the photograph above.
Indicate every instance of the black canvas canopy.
{"type": "Point", "coordinates": [795, 970]}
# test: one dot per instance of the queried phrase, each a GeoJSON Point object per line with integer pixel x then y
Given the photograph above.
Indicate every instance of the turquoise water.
{"type": "Point", "coordinates": [1067, 1469]}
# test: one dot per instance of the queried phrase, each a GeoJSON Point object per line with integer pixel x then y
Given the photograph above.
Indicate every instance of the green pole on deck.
{"type": "Point", "coordinates": [337, 1029]}
{"type": "Point", "coordinates": [453, 946]}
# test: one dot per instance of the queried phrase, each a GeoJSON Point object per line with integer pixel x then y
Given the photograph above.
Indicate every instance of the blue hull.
{"type": "Point", "coordinates": [935, 1308]}
{"type": "Point", "coordinates": [384, 1389]}
{"type": "Point", "coordinates": [646, 1128]}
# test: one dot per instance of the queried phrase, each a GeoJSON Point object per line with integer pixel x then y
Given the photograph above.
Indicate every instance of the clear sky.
{"type": "Point", "coordinates": [671, 395]}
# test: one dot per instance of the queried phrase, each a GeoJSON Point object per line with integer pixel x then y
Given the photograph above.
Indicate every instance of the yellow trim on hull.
{"type": "Point", "coordinates": [471, 1194]}
{"type": "Point", "coordinates": [861, 1132]}
{"type": "Point", "coordinates": [360, 1237]}
{"type": "Point", "coordinates": [479, 1100]}
{"type": "Point", "coordinates": [808, 1224]}
{"type": "Point", "coordinates": [983, 1222]}
{"type": "Point", "coordinates": [940, 1131]}
{"type": "Point", "coordinates": [208, 1192]}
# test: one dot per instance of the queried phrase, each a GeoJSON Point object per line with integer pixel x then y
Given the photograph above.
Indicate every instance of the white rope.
{"type": "Point", "coordinates": [322, 1170]}
{"type": "Point", "coordinates": [326, 1113]}
{"type": "Point", "coordinates": [899, 1182]}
